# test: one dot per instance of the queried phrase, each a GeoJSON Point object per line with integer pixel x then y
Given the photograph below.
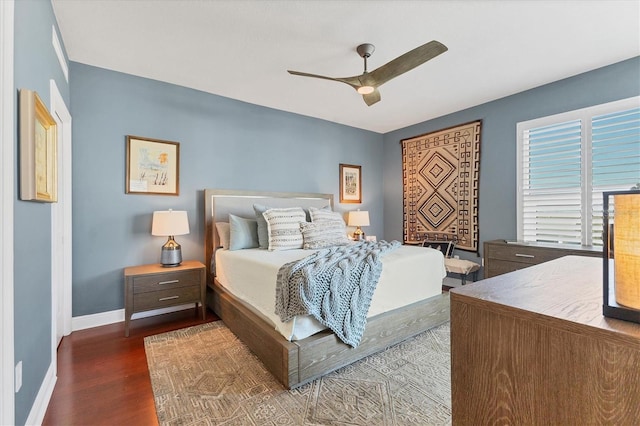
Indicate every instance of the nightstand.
{"type": "Point", "coordinates": [149, 287]}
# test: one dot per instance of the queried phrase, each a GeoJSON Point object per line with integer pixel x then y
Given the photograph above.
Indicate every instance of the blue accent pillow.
{"type": "Point", "coordinates": [263, 230]}
{"type": "Point", "coordinates": [243, 233]}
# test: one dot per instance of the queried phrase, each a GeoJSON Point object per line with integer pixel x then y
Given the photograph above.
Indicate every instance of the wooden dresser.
{"type": "Point", "coordinates": [532, 347]}
{"type": "Point", "coordinates": [501, 256]}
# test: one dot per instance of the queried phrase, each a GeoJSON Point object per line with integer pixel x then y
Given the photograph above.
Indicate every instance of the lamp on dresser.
{"type": "Point", "coordinates": [621, 255]}
{"type": "Point", "coordinates": [170, 223]}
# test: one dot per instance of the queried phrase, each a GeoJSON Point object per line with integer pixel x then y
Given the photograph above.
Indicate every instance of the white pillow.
{"type": "Point", "coordinates": [284, 228]}
{"type": "Point", "coordinates": [327, 233]}
{"type": "Point", "coordinates": [325, 214]}
{"type": "Point", "coordinates": [224, 234]}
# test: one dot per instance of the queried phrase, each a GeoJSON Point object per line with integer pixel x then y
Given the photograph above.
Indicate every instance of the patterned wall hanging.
{"type": "Point", "coordinates": [440, 179]}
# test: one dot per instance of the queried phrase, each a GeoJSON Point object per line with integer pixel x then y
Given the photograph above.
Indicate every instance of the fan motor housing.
{"type": "Point", "coordinates": [365, 50]}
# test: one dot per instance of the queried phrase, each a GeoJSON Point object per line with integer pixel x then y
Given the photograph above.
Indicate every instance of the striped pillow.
{"type": "Point", "coordinates": [325, 214]}
{"type": "Point", "coordinates": [284, 228]}
{"type": "Point", "coordinates": [327, 233]}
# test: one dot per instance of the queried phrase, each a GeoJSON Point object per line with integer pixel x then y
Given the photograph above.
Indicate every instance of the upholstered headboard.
{"type": "Point", "coordinates": [218, 203]}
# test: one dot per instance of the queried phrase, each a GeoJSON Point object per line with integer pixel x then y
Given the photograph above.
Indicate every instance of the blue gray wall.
{"type": "Point", "coordinates": [497, 213]}
{"type": "Point", "coordinates": [35, 64]}
{"type": "Point", "coordinates": [224, 144]}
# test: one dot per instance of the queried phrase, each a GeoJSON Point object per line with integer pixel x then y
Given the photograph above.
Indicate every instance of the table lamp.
{"type": "Point", "coordinates": [621, 255]}
{"type": "Point", "coordinates": [358, 218]}
{"type": "Point", "coordinates": [170, 223]}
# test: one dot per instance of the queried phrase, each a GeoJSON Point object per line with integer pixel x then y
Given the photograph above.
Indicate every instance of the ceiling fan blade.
{"type": "Point", "coordinates": [372, 97]}
{"type": "Point", "coordinates": [406, 62]}
{"type": "Point", "coordinates": [351, 81]}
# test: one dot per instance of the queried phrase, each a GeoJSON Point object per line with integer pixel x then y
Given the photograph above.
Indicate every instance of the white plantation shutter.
{"type": "Point", "coordinates": [615, 148]}
{"type": "Point", "coordinates": [551, 183]}
{"type": "Point", "coordinates": [566, 161]}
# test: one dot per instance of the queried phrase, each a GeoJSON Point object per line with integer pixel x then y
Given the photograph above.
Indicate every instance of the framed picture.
{"type": "Point", "coordinates": [38, 150]}
{"type": "Point", "coordinates": [350, 183]}
{"type": "Point", "coordinates": [152, 166]}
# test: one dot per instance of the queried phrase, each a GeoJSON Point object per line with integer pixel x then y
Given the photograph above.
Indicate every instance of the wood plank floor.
{"type": "Point", "coordinates": [103, 377]}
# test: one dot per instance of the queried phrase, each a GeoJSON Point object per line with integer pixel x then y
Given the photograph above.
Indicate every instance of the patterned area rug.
{"type": "Point", "coordinates": [440, 186]}
{"type": "Point", "coordinates": [204, 375]}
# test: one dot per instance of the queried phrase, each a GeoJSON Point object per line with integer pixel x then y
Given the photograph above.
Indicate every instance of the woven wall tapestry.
{"type": "Point", "coordinates": [440, 179]}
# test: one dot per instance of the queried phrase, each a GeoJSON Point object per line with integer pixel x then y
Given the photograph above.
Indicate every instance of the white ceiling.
{"type": "Point", "coordinates": [242, 49]}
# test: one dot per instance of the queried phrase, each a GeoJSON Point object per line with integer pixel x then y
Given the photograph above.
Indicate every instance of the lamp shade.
{"type": "Point", "coordinates": [626, 243]}
{"type": "Point", "coordinates": [358, 218]}
{"type": "Point", "coordinates": [621, 255]}
{"type": "Point", "coordinates": [170, 222]}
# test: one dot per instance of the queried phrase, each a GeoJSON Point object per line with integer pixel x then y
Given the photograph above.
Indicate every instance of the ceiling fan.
{"type": "Point", "coordinates": [367, 84]}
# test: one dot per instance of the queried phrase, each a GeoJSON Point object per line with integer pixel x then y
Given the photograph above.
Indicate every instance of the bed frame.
{"type": "Point", "coordinates": [299, 362]}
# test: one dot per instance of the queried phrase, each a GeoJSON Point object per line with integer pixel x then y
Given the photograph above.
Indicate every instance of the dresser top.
{"type": "Point", "coordinates": [569, 288]}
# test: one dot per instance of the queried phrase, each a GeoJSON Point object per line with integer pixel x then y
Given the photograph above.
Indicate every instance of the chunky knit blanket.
{"type": "Point", "coordinates": [334, 285]}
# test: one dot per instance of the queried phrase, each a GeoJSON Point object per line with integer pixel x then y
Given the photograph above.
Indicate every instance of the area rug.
{"type": "Point", "coordinates": [440, 181]}
{"type": "Point", "coordinates": [204, 375]}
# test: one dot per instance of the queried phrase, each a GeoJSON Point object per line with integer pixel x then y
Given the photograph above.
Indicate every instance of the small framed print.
{"type": "Point", "coordinates": [350, 183]}
{"type": "Point", "coordinates": [152, 166]}
{"type": "Point", "coordinates": [38, 150]}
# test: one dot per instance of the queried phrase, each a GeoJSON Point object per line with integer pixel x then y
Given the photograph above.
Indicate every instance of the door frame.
{"type": "Point", "coordinates": [61, 225]}
{"type": "Point", "coordinates": [8, 101]}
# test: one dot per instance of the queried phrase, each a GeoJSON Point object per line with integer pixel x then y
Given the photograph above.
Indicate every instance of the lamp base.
{"type": "Point", "coordinates": [358, 234]}
{"type": "Point", "coordinates": [171, 255]}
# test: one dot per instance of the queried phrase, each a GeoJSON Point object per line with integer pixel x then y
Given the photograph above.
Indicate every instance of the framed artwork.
{"type": "Point", "coordinates": [350, 183]}
{"type": "Point", "coordinates": [38, 150]}
{"type": "Point", "coordinates": [152, 166]}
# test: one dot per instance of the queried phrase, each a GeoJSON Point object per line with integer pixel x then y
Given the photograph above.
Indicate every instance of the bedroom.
{"type": "Point", "coordinates": [110, 228]}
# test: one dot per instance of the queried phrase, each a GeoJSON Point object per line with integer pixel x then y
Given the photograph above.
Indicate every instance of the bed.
{"type": "Point", "coordinates": [291, 356]}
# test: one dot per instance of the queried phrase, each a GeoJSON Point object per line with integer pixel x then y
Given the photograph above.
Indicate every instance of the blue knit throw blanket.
{"type": "Point", "coordinates": [335, 285]}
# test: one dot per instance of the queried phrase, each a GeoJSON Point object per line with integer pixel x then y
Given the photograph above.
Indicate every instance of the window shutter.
{"type": "Point", "coordinates": [566, 161]}
{"type": "Point", "coordinates": [615, 152]}
{"type": "Point", "coordinates": [551, 182]}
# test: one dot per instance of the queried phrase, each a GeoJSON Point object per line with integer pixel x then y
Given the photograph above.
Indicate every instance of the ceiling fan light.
{"type": "Point", "coordinates": [365, 90]}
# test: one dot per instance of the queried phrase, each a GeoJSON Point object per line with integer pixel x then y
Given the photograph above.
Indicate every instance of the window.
{"type": "Point", "coordinates": [566, 162]}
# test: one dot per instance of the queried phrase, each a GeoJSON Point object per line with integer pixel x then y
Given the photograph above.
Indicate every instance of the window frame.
{"type": "Point", "coordinates": [585, 115]}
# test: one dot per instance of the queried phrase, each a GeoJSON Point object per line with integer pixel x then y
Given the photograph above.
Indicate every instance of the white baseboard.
{"type": "Point", "coordinates": [39, 407]}
{"type": "Point", "coordinates": [112, 317]}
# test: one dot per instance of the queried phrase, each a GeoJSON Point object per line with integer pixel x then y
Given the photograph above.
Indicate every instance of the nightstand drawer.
{"type": "Point", "coordinates": [172, 280]}
{"type": "Point", "coordinates": [167, 297]}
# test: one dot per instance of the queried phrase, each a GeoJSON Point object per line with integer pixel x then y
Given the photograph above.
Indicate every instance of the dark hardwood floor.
{"type": "Point", "coordinates": [103, 377]}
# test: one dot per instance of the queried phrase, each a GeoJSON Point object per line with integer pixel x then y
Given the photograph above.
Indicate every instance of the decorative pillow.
{"type": "Point", "coordinates": [327, 233]}
{"type": "Point", "coordinates": [244, 233]}
{"type": "Point", "coordinates": [223, 234]}
{"type": "Point", "coordinates": [263, 230]}
{"type": "Point", "coordinates": [284, 228]}
{"type": "Point", "coordinates": [325, 214]}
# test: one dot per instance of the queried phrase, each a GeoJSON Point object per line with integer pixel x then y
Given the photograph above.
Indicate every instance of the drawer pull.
{"type": "Point", "coordinates": [525, 255]}
{"type": "Point", "coordinates": [168, 282]}
{"type": "Point", "coordinates": [168, 298]}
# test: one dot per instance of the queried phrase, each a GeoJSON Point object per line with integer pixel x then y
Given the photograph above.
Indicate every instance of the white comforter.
{"type": "Point", "coordinates": [409, 274]}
